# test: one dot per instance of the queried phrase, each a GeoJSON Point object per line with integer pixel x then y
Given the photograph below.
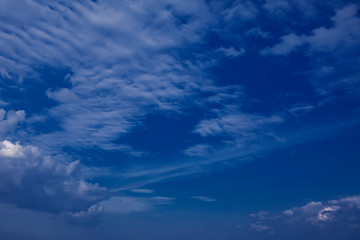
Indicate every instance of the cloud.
{"type": "Point", "coordinates": [342, 212]}
{"type": "Point", "coordinates": [63, 95]}
{"type": "Point", "coordinates": [115, 60]}
{"type": "Point", "coordinates": [258, 227]}
{"type": "Point", "coordinates": [231, 52]}
{"type": "Point", "coordinates": [204, 199]}
{"type": "Point", "coordinates": [257, 32]}
{"type": "Point", "coordinates": [198, 150]}
{"type": "Point", "coordinates": [288, 43]}
{"type": "Point", "coordinates": [242, 10]}
{"type": "Point", "coordinates": [259, 215]}
{"type": "Point", "coordinates": [142, 190]}
{"type": "Point", "coordinates": [234, 124]}
{"type": "Point", "coordinates": [321, 212]}
{"type": "Point", "coordinates": [344, 34]}
{"type": "Point", "coordinates": [304, 10]}
{"type": "Point", "coordinates": [35, 181]}
{"type": "Point", "coordinates": [126, 204]}
{"type": "Point", "coordinates": [9, 120]}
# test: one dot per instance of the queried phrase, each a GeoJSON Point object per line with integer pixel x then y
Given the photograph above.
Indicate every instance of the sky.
{"type": "Point", "coordinates": [169, 119]}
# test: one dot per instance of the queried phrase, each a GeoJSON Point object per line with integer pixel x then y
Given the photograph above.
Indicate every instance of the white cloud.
{"type": "Point", "coordinates": [142, 190]}
{"type": "Point", "coordinates": [10, 150]}
{"type": "Point", "coordinates": [338, 210]}
{"type": "Point", "coordinates": [352, 201]}
{"type": "Point", "coordinates": [234, 124]}
{"type": "Point", "coordinates": [63, 95]}
{"type": "Point", "coordinates": [343, 35]}
{"type": "Point", "coordinates": [115, 60]}
{"type": "Point", "coordinates": [325, 214]}
{"type": "Point", "coordinates": [314, 216]}
{"type": "Point", "coordinates": [32, 180]}
{"type": "Point", "coordinates": [9, 120]}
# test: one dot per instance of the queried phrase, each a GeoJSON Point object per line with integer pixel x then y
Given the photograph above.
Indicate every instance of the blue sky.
{"type": "Point", "coordinates": [175, 119]}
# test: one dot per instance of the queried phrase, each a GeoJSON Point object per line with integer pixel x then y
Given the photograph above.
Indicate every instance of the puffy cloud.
{"type": "Point", "coordinates": [340, 210]}
{"type": "Point", "coordinates": [344, 212]}
{"type": "Point", "coordinates": [63, 95]}
{"type": "Point", "coordinates": [32, 180]}
{"type": "Point", "coordinates": [9, 120]}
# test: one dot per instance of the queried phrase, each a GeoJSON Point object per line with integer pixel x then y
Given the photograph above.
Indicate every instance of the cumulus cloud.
{"type": "Point", "coordinates": [9, 120]}
{"type": "Point", "coordinates": [32, 180]}
{"type": "Point", "coordinates": [340, 210]}
{"type": "Point", "coordinates": [344, 212]}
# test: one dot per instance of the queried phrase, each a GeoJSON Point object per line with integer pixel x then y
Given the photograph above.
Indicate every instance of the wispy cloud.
{"type": "Point", "coordinates": [125, 205]}
{"type": "Point", "coordinates": [142, 190]}
{"type": "Point", "coordinates": [129, 68]}
{"type": "Point", "coordinates": [204, 199]}
{"type": "Point", "coordinates": [198, 150]}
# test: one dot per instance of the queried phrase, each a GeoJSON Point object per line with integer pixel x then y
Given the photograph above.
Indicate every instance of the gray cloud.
{"type": "Point", "coordinates": [32, 180]}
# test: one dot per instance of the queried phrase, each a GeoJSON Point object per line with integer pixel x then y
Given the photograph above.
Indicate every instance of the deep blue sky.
{"type": "Point", "coordinates": [173, 119]}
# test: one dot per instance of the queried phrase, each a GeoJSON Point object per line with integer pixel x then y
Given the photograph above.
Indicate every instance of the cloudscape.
{"type": "Point", "coordinates": [179, 119]}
